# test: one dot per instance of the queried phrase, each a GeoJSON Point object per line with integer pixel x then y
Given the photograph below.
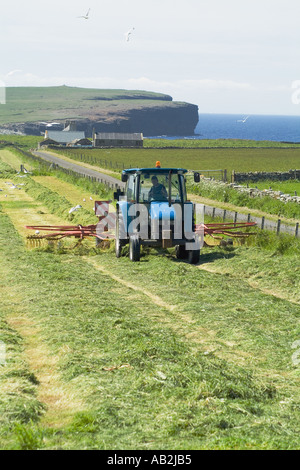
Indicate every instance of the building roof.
{"type": "Point", "coordinates": [63, 137]}
{"type": "Point", "coordinates": [118, 136]}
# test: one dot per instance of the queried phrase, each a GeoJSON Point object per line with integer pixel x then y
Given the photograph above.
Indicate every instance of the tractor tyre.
{"type": "Point", "coordinates": [194, 255]}
{"type": "Point", "coordinates": [134, 248]}
{"type": "Point", "coordinates": [180, 252]}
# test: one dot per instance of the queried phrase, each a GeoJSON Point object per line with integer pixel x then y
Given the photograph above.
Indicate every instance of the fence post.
{"type": "Point", "coordinates": [224, 214]}
{"type": "Point", "coordinates": [213, 212]}
{"type": "Point", "coordinates": [225, 176]}
{"type": "Point", "coordinates": [235, 217]}
{"type": "Point", "coordinates": [249, 217]}
{"type": "Point", "coordinates": [278, 226]}
{"type": "Point", "coordinates": [232, 176]}
{"type": "Point", "coordinates": [262, 223]}
{"type": "Point", "coordinates": [297, 229]}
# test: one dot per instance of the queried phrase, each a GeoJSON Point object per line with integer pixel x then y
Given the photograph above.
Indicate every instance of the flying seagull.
{"type": "Point", "coordinates": [128, 34]}
{"type": "Point", "coordinates": [243, 120]}
{"type": "Point", "coordinates": [86, 17]}
{"type": "Point", "coordinates": [12, 72]}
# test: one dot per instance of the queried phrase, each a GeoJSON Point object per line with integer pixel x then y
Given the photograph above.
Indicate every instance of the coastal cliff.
{"type": "Point", "coordinates": [29, 110]}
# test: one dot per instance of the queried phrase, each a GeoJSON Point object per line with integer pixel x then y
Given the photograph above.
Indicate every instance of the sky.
{"type": "Point", "coordinates": [233, 56]}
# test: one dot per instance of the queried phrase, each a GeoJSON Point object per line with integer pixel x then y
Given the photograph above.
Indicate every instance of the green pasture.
{"type": "Point", "coordinates": [238, 159]}
{"type": "Point", "coordinates": [32, 104]}
{"type": "Point", "coordinates": [216, 143]}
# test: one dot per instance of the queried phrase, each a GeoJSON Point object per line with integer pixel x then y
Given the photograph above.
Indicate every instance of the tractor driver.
{"type": "Point", "coordinates": [158, 192]}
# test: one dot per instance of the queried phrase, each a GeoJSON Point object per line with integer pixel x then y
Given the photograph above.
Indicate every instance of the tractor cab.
{"type": "Point", "coordinates": [148, 185]}
{"type": "Point", "coordinates": [153, 210]}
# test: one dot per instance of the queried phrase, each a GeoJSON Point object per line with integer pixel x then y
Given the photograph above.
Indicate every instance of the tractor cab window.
{"type": "Point", "coordinates": [183, 185]}
{"type": "Point", "coordinates": [156, 187]}
{"type": "Point", "coordinates": [131, 188]}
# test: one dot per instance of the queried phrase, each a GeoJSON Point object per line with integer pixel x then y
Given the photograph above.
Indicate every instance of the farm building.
{"type": "Point", "coordinates": [64, 137]}
{"type": "Point", "coordinates": [114, 139]}
{"type": "Point", "coordinates": [80, 143]}
{"type": "Point", "coordinates": [46, 142]}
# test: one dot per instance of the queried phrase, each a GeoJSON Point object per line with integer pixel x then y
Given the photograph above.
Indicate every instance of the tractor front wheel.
{"type": "Point", "coordinates": [134, 248]}
{"type": "Point", "coordinates": [180, 252]}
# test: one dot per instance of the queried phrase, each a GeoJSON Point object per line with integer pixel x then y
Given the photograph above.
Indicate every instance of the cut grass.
{"type": "Point", "coordinates": [158, 354]}
{"type": "Point", "coordinates": [190, 380]}
{"type": "Point", "coordinates": [75, 195]}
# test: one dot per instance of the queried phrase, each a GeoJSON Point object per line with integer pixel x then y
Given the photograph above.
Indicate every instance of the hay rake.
{"type": "Point", "coordinates": [80, 232]}
{"type": "Point", "coordinates": [233, 230]}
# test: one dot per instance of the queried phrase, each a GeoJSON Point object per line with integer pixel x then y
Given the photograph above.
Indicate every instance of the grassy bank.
{"type": "Point", "coordinates": [267, 204]}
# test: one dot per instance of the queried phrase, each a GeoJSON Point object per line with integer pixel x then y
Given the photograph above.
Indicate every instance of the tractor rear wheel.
{"type": "Point", "coordinates": [134, 248]}
{"type": "Point", "coordinates": [193, 256]}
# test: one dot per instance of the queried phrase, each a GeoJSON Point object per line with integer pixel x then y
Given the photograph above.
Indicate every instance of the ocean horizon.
{"type": "Point", "coordinates": [247, 127]}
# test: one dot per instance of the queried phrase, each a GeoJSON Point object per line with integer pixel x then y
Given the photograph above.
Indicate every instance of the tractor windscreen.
{"type": "Point", "coordinates": [156, 187]}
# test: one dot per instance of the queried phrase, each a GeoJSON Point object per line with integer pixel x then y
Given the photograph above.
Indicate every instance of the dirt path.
{"type": "Point", "coordinates": [89, 170]}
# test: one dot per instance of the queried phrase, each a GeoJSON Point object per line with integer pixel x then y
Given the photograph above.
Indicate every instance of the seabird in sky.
{"type": "Point", "coordinates": [128, 34]}
{"type": "Point", "coordinates": [86, 17]}
{"type": "Point", "coordinates": [243, 120]}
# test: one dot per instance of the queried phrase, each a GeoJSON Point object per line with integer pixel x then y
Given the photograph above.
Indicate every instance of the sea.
{"type": "Point", "coordinates": [249, 127]}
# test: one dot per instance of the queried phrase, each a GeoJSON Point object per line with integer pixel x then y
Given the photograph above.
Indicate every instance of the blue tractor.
{"type": "Point", "coordinates": [154, 211]}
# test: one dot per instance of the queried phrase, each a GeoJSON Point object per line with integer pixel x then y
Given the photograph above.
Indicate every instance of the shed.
{"type": "Point", "coordinates": [64, 137]}
{"type": "Point", "coordinates": [47, 142]}
{"type": "Point", "coordinates": [80, 143]}
{"type": "Point", "coordinates": [115, 139]}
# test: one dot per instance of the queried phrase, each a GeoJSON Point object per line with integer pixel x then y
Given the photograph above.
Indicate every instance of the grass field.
{"type": "Point", "coordinates": [32, 104]}
{"type": "Point", "coordinates": [102, 353]}
{"type": "Point", "coordinates": [238, 159]}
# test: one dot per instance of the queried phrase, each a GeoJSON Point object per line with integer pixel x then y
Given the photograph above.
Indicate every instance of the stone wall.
{"type": "Point", "coordinates": [253, 191]}
{"type": "Point", "coordinates": [263, 176]}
